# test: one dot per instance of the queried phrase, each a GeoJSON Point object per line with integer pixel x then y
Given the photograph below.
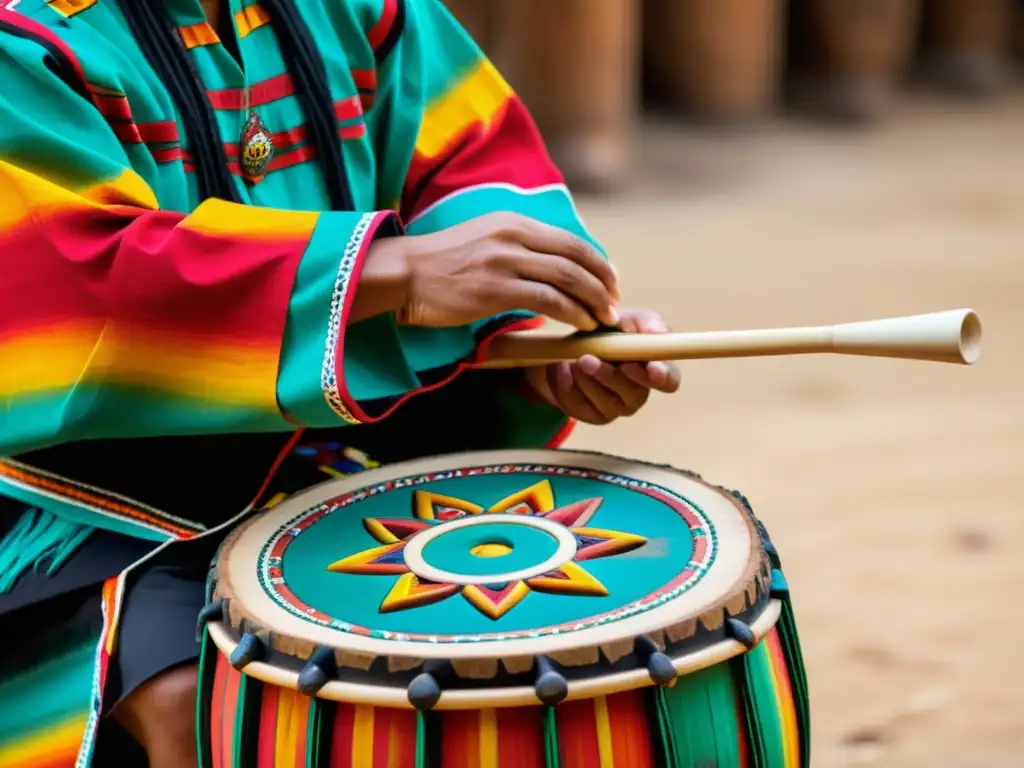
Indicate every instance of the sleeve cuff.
{"type": "Point", "coordinates": [310, 391]}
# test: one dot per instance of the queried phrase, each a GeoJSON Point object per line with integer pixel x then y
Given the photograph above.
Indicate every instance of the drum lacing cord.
{"type": "Point", "coordinates": [157, 36]}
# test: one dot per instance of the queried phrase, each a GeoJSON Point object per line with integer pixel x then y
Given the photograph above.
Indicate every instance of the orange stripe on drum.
{"type": "Point", "coordinates": [394, 738]}
{"type": "Point", "coordinates": [629, 730]}
{"type": "Point", "coordinates": [577, 734]}
{"type": "Point", "coordinates": [292, 714]}
{"type": "Point", "coordinates": [521, 737]}
{"type": "Point", "coordinates": [229, 714]}
{"type": "Point", "coordinates": [217, 712]}
{"type": "Point", "coordinates": [784, 697]}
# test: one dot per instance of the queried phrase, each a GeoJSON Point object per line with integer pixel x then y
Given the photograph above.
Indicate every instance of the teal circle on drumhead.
{"type": "Point", "coordinates": [453, 552]}
{"type": "Point", "coordinates": [355, 598]}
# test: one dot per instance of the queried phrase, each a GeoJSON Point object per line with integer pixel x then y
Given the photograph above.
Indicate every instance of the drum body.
{"type": "Point", "coordinates": [967, 45]}
{"type": "Point", "coordinates": [714, 59]}
{"type": "Point", "coordinates": [530, 609]}
{"type": "Point", "coordinates": [575, 65]}
{"type": "Point", "coordinates": [847, 56]}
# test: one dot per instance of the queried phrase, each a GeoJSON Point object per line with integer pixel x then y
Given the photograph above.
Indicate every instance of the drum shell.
{"type": "Point", "coordinates": [747, 706]}
{"type": "Point", "coordinates": [979, 26]}
{"type": "Point", "coordinates": [854, 38]}
{"type": "Point", "coordinates": [714, 59]}
{"type": "Point", "coordinates": [574, 63]}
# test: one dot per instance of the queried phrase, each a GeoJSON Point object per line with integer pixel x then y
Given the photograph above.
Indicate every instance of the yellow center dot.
{"type": "Point", "coordinates": [491, 550]}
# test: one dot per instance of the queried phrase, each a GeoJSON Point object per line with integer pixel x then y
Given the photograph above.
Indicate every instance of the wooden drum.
{"type": "Point", "coordinates": [575, 65]}
{"type": "Point", "coordinates": [967, 44]}
{"type": "Point", "coordinates": [847, 56]}
{"type": "Point", "coordinates": [714, 59]}
{"type": "Point", "coordinates": [513, 608]}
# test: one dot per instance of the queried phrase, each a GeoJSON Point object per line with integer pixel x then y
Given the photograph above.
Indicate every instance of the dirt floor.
{"type": "Point", "coordinates": [893, 489]}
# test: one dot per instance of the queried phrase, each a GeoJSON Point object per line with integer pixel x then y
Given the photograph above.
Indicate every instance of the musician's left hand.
{"type": "Point", "coordinates": [597, 392]}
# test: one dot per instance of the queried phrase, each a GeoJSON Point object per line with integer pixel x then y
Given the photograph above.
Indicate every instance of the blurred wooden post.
{"type": "Point", "coordinates": [847, 56]}
{"type": "Point", "coordinates": [475, 16]}
{"type": "Point", "coordinates": [714, 59]}
{"type": "Point", "coordinates": [574, 64]}
{"type": "Point", "coordinates": [967, 43]}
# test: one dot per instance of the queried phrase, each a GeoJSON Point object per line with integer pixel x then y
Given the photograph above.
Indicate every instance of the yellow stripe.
{"type": "Point", "coordinates": [289, 723]}
{"type": "Point", "coordinates": [787, 713]}
{"type": "Point", "coordinates": [488, 738]}
{"type": "Point", "coordinates": [50, 744]}
{"type": "Point", "coordinates": [23, 194]}
{"type": "Point", "coordinates": [604, 733]}
{"type": "Point", "coordinates": [198, 35]}
{"type": "Point", "coordinates": [478, 98]}
{"type": "Point", "coordinates": [59, 358]}
{"type": "Point", "coordinates": [362, 737]}
{"type": "Point", "coordinates": [217, 217]}
{"type": "Point", "coordinates": [250, 19]}
{"type": "Point", "coordinates": [69, 8]}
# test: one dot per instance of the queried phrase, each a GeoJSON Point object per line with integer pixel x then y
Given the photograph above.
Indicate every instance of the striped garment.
{"type": "Point", "coordinates": [131, 309]}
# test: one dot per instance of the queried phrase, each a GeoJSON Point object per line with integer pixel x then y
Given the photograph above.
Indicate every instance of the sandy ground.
{"type": "Point", "coordinates": [893, 489]}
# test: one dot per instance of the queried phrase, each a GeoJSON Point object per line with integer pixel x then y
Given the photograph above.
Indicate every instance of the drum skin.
{"type": "Point", "coordinates": [620, 566]}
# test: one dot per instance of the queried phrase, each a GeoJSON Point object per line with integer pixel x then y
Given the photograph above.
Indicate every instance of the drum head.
{"type": "Point", "coordinates": [491, 557]}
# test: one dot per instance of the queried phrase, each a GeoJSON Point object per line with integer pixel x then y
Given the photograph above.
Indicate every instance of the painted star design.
{"type": "Point", "coordinates": [493, 600]}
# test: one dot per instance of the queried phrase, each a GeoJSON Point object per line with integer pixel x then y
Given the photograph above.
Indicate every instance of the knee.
{"type": "Point", "coordinates": [160, 714]}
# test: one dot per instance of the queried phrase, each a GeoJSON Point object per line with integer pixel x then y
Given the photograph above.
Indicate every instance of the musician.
{"type": "Point", "coordinates": [232, 235]}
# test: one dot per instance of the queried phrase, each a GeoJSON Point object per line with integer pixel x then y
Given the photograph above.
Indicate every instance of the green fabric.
{"type": "Point", "coordinates": [318, 743]}
{"type": "Point", "coordinates": [38, 541]}
{"type": "Point", "coordinates": [698, 716]}
{"type": "Point", "coordinates": [37, 697]}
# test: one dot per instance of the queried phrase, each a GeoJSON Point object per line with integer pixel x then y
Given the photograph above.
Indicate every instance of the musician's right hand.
{"type": "Point", "coordinates": [489, 265]}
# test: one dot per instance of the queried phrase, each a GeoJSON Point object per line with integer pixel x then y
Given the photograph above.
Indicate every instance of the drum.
{"type": "Point", "coordinates": [513, 608]}
{"type": "Point", "coordinates": [846, 57]}
{"type": "Point", "coordinates": [575, 64]}
{"type": "Point", "coordinates": [714, 59]}
{"type": "Point", "coordinates": [967, 45]}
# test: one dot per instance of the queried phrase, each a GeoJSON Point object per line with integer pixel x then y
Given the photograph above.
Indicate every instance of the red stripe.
{"type": "Point", "coordinates": [217, 711]}
{"type": "Point", "coordinates": [563, 434]}
{"type": "Point", "coordinates": [380, 30]}
{"type": "Point", "coordinates": [160, 132]}
{"type": "Point", "coordinates": [112, 106]}
{"type": "Point", "coordinates": [232, 686]}
{"type": "Point", "coordinates": [35, 29]}
{"type": "Point", "coordinates": [261, 93]}
{"type": "Point", "coordinates": [342, 738]}
{"type": "Point", "coordinates": [510, 151]}
{"type": "Point", "coordinates": [630, 731]}
{"type": "Point", "coordinates": [365, 79]}
{"type": "Point", "coordinates": [266, 744]}
{"type": "Point", "coordinates": [169, 154]}
{"type": "Point", "coordinates": [521, 737]}
{"type": "Point", "coordinates": [348, 109]}
{"type": "Point", "coordinates": [577, 734]}
{"type": "Point", "coordinates": [142, 269]}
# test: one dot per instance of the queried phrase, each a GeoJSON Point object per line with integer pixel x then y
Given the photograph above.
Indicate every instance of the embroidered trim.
{"type": "Point", "coordinates": [95, 499]}
{"type": "Point", "coordinates": [339, 303]}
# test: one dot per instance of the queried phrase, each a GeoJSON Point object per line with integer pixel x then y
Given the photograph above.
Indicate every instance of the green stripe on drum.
{"type": "Point", "coordinates": [790, 641]}
{"type": "Point", "coordinates": [247, 721]}
{"type": "Point", "coordinates": [551, 752]}
{"type": "Point", "coordinates": [698, 719]}
{"type": "Point", "coordinates": [319, 730]}
{"type": "Point", "coordinates": [764, 719]}
{"type": "Point", "coordinates": [207, 664]}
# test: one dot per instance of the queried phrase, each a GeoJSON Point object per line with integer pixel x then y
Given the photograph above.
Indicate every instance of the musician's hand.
{"type": "Point", "coordinates": [597, 392]}
{"type": "Point", "coordinates": [484, 267]}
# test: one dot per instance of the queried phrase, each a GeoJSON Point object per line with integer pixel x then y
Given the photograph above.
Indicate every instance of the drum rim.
{"type": "Point", "coordinates": [733, 594]}
{"type": "Point", "coordinates": [510, 696]}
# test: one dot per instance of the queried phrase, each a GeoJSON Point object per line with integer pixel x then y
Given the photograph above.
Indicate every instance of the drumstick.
{"type": "Point", "coordinates": [952, 336]}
